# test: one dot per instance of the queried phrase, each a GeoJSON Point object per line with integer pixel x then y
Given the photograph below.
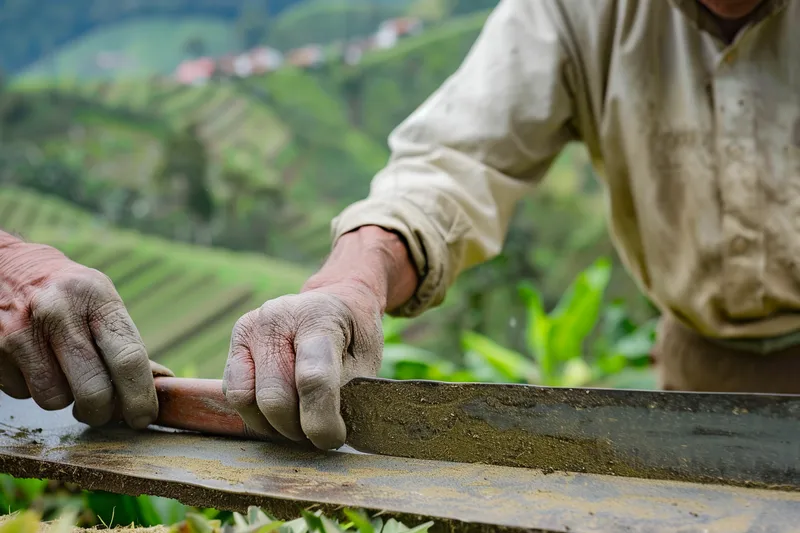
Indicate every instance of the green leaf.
{"type": "Point", "coordinates": [537, 331]}
{"type": "Point", "coordinates": [579, 311]}
{"type": "Point", "coordinates": [198, 523]}
{"type": "Point", "coordinates": [298, 525]}
{"type": "Point", "coordinates": [360, 520]}
{"type": "Point", "coordinates": [512, 365]}
{"type": "Point", "coordinates": [329, 526]}
{"type": "Point", "coordinates": [393, 526]}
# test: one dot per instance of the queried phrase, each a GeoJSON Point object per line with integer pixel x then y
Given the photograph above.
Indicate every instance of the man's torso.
{"type": "Point", "coordinates": [698, 142]}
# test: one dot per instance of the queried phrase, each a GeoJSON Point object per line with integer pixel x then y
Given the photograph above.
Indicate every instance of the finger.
{"type": "Point", "coordinates": [12, 382]}
{"type": "Point", "coordinates": [239, 388]}
{"type": "Point", "coordinates": [71, 342]}
{"type": "Point", "coordinates": [276, 394]}
{"type": "Point", "coordinates": [125, 356]}
{"type": "Point", "coordinates": [318, 368]}
{"type": "Point", "coordinates": [160, 370]}
{"type": "Point", "coordinates": [46, 382]}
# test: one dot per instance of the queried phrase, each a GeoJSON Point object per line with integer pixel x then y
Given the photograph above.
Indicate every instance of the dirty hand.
{"type": "Point", "coordinates": [66, 336]}
{"type": "Point", "coordinates": [289, 358]}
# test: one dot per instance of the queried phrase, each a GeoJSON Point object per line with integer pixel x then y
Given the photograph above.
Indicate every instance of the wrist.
{"type": "Point", "coordinates": [374, 258]}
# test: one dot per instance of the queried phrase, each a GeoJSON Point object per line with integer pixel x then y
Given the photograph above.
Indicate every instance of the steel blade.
{"type": "Point", "coordinates": [740, 439]}
{"type": "Point", "coordinates": [231, 474]}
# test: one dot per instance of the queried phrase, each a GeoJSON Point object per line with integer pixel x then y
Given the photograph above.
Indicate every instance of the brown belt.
{"type": "Point", "coordinates": [687, 361]}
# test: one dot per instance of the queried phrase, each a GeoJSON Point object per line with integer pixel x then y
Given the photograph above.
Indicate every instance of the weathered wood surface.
{"type": "Point", "coordinates": [232, 474]}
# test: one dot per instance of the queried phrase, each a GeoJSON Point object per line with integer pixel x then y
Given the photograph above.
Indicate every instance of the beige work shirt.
{"type": "Point", "coordinates": [696, 141]}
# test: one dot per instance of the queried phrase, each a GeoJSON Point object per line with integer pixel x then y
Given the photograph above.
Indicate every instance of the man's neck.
{"type": "Point", "coordinates": [730, 28]}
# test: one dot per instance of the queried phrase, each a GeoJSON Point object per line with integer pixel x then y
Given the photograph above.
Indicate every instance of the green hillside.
{"type": "Point", "coordinates": [184, 299]}
{"type": "Point", "coordinates": [158, 53]}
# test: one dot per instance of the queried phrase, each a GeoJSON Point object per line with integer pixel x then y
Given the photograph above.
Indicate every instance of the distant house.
{"type": "Point", "coordinates": [265, 59]}
{"type": "Point", "coordinates": [354, 51]}
{"type": "Point", "coordinates": [306, 57]}
{"type": "Point", "coordinates": [392, 30]}
{"type": "Point", "coordinates": [196, 71]}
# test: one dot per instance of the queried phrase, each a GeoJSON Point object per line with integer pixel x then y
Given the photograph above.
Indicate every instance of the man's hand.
{"type": "Point", "coordinates": [66, 336]}
{"type": "Point", "coordinates": [289, 358]}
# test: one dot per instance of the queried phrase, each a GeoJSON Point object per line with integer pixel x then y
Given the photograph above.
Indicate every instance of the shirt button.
{"type": "Point", "coordinates": [739, 245]}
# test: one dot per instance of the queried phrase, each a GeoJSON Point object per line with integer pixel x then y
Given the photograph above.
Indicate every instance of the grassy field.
{"type": "Point", "coordinates": [184, 299]}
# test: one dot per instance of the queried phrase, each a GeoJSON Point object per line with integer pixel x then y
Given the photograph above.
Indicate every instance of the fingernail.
{"type": "Point", "coordinates": [141, 422]}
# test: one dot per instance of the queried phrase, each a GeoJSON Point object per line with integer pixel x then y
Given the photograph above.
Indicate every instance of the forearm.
{"type": "Point", "coordinates": [374, 257]}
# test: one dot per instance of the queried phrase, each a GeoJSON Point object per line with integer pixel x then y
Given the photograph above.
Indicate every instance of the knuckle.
{"type": "Point", "coordinates": [245, 324]}
{"type": "Point", "coordinates": [52, 398]}
{"type": "Point", "coordinates": [314, 382]}
{"type": "Point", "coordinates": [239, 398]}
{"type": "Point", "coordinates": [50, 304]}
{"type": "Point", "coordinates": [271, 399]}
{"type": "Point", "coordinates": [95, 391]}
{"type": "Point", "coordinates": [131, 359]}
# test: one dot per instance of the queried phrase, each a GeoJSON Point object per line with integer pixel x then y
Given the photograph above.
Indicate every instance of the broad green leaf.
{"type": "Point", "coordinates": [513, 365]}
{"type": "Point", "coordinates": [580, 312]}
{"type": "Point", "coordinates": [360, 520]}
{"type": "Point", "coordinates": [169, 511]}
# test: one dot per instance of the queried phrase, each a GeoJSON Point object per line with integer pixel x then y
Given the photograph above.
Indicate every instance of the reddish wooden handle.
{"type": "Point", "coordinates": [197, 405]}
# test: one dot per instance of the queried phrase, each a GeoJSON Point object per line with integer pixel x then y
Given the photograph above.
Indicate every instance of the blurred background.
{"type": "Point", "coordinates": [196, 150]}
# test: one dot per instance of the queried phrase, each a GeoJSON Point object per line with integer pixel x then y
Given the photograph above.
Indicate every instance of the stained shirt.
{"type": "Point", "coordinates": [696, 140]}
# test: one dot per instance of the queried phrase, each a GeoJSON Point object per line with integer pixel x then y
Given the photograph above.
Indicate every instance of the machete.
{"type": "Point", "coordinates": [736, 439]}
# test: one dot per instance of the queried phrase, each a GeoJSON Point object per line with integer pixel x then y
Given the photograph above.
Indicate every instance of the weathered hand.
{"type": "Point", "coordinates": [66, 336]}
{"type": "Point", "coordinates": [289, 359]}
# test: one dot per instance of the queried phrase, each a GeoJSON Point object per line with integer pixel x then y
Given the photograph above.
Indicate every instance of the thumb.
{"type": "Point", "coordinates": [318, 370]}
{"type": "Point", "coordinates": [160, 370]}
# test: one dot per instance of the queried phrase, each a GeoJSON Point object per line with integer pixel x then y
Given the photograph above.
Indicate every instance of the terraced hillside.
{"type": "Point", "coordinates": [231, 123]}
{"type": "Point", "coordinates": [184, 299]}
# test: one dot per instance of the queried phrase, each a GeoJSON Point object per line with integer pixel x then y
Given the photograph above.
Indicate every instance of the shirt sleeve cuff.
{"type": "Point", "coordinates": [426, 245]}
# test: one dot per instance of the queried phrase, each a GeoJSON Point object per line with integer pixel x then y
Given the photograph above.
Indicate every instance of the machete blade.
{"type": "Point", "coordinates": [741, 439]}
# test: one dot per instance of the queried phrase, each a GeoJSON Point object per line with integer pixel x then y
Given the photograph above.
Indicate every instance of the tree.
{"type": "Point", "coordinates": [195, 46]}
{"type": "Point", "coordinates": [184, 172]}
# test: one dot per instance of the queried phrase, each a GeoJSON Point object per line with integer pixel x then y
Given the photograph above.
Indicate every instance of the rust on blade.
{"type": "Point", "coordinates": [229, 473]}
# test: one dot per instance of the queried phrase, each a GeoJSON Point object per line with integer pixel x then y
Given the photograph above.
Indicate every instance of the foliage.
{"type": "Point", "coordinates": [556, 341]}
{"type": "Point", "coordinates": [326, 21]}
{"type": "Point", "coordinates": [31, 501]}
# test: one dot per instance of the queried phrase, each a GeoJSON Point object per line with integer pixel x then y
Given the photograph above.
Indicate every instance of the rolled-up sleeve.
{"type": "Point", "coordinates": [462, 161]}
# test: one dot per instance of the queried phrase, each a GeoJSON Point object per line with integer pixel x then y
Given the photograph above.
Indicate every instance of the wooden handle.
{"type": "Point", "coordinates": [197, 405]}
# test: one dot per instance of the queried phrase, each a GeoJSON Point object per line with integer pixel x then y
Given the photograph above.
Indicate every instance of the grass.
{"type": "Point", "coordinates": [184, 299]}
